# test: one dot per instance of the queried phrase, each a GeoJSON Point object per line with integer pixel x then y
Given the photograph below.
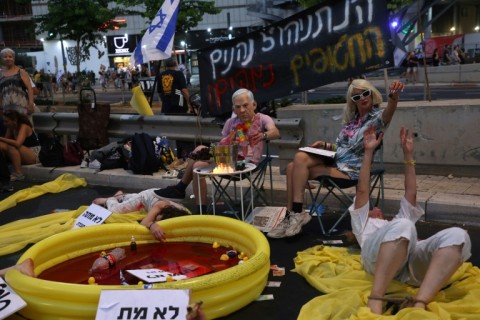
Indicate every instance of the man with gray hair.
{"type": "Point", "coordinates": [247, 126]}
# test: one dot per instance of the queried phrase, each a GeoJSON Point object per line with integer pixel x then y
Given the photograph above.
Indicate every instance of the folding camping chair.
{"type": "Point", "coordinates": [333, 185]}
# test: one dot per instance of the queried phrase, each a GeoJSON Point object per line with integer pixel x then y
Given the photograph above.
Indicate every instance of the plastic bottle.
{"type": "Point", "coordinates": [133, 245]}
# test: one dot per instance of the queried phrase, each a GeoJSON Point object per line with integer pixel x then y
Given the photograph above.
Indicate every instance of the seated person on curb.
{"type": "Point", "coordinates": [362, 110]}
{"type": "Point", "coordinates": [390, 249]}
{"type": "Point", "coordinates": [156, 206]}
{"type": "Point", "coordinates": [246, 119]}
{"type": "Point", "coordinates": [20, 143]}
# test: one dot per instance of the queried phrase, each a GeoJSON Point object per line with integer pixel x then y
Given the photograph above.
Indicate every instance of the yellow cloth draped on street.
{"type": "Point", "coordinates": [61, 183]}
{"type": "Point", "coordinates": [16, 235]}
{"type": "Point", "coordinates": [338, 273]}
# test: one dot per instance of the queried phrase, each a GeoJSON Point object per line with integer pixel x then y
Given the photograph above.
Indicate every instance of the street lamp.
{"type": "Point", "coordinates": [477, 28]}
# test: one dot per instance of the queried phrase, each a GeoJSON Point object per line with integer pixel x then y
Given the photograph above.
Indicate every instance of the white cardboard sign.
{"type": "Point", "coordinates": [168, 304]}
{"type": "Point", "coordinates": [93, 215]}
{"type": "Point", "coordinates": [10, 301]}
{"type": "Point", "coordinates": [155, 275]}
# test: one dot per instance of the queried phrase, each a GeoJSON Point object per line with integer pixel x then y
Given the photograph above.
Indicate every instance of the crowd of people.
{"type": "Point", "coordinates": [390, 249]}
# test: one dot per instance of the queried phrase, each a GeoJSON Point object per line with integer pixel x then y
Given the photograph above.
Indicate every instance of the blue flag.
{"type": "Point", "coordinates": [157, 42]}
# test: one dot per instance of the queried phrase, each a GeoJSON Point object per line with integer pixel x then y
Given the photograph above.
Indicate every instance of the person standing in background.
{"type": "Point", "coordinates": [412, 65]}
{"type": "Point", "coordinates": [188, 76]}
{"type": "Point", "coordinates": [16, 92]}
{"type": "Point", "coordinates": [175, 98]}
{"type": "Point", "coordinates": [435, 58]}
{"type": "Point", "coordinates": [172, 89]}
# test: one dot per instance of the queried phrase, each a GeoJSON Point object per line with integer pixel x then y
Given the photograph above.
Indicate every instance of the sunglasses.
{"type": "Point", "coordinates": [364, 94]}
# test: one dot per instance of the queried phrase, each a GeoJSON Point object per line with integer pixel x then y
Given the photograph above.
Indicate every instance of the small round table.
{"type": "Point", "coordinates": [219, 191]}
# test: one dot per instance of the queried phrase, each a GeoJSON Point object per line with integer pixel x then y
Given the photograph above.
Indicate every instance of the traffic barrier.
{"type": "Point", "coordinates": [182, 127]}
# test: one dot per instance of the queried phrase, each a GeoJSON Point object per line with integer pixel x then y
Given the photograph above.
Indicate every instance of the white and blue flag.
{"type": "Point", "coordinates": [157, 42]}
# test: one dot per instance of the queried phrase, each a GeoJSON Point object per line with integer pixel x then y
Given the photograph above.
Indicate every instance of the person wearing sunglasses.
{"type": "Point", "coordinates": [361, 111]}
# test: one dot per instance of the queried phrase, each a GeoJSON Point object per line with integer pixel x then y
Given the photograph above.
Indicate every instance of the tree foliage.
{"type": "Point", "coordinates": [83, 21]}
{"type": "Point", "coordinates": [189, 15]}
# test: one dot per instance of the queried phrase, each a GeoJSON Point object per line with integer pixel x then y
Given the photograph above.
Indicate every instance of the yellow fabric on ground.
{"type": "Point", "coordinates": [64, 182]}
{"type": "Point", "coordinates": [16, 235]}
{"type": "Point", "coordinates": [140, 103]}
{"type": "Point", "coordinates": [338, 273]}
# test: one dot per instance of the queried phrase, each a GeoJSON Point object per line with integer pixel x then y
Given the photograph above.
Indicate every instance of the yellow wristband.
{"type": "Point", "coordinates": [410, 162]}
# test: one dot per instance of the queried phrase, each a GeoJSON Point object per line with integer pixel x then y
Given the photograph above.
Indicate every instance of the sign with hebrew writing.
{"type": "Point", "coordinates": [10, 301]}
{"type": "Point", "coordinates": [143, 304]}
{"type": "Point", "coordinates": [323, 44]}
{"type": "Point", "coordinates": [93, 215]}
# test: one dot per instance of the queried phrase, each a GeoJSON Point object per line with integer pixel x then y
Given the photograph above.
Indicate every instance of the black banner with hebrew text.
{"type": "Point", "coordinates": [320, 45]}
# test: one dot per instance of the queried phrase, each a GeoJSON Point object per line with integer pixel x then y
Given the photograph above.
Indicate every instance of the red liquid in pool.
{"type": "Point", "coordinates": [175, 257]}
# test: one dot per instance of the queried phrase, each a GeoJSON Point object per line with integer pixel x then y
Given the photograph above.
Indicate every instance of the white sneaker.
{"type": "Point", "coordinates": [280, 229]}
{"type": "Point", "coordinates": [84, 164]}
{"type": "Point", "coordinates": [95, 164]}
{"type": "Point", "coordinates": [297, 221]}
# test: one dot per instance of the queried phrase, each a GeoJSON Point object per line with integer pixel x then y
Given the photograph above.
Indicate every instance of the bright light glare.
{"type": "Point", "coordinates": [452, 29]}
{"type": "Point", "coordinates": [477, 28]}
{"type": "Point", "coordinates": [394, 23]}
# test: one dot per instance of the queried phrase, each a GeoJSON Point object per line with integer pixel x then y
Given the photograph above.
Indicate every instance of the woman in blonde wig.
{"type": "Point", "coordinates": [361, 111]}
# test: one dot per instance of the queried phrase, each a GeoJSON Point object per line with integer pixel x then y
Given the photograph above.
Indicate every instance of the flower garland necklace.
{"type": "Point", "coordinates": [242, 131]}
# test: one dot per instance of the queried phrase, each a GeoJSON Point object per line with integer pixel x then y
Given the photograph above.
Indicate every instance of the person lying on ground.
{"type": "Point", "coordinates": [361, 110]}
{"type": "Point", "coordinates": [157, 207]}
{"type": "Point", "coordinates": [390, 249]}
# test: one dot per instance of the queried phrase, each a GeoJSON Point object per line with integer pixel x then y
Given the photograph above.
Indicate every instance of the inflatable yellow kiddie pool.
{"type": "Point", "coordinates": [222, 292]}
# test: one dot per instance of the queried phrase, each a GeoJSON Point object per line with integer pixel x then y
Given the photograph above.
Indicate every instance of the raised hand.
{"type": "Point", "coordinates": [406, 138]}
{"type": "Point", "coordinates": [370, 139]}
{"type": "Point", "coordinates": [395, 88]}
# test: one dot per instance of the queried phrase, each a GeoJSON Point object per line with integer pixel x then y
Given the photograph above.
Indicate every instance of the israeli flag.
{"type": "Point", "coordinates": [157, 42]}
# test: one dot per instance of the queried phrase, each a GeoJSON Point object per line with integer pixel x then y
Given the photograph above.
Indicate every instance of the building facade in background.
{"type": "Point", "coordinates": [237, 18]}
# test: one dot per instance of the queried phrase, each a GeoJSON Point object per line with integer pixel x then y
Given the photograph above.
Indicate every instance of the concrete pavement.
{"type": "Point", "coordinates": [446, 199]}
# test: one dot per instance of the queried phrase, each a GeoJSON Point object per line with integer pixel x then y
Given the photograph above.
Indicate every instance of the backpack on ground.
{"type": "Point", "coordinates": [51, 152]}
{"type": "Point", "coordinates": [72, 153]}
{"type": "Point", "coordinates": [143, 159]}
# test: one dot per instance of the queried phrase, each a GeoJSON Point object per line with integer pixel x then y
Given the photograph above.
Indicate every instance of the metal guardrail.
{"type": "Point", "coordinates": [187, 128]}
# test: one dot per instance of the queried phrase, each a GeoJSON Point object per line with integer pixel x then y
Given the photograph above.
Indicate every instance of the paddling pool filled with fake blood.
{"type": "Point", "coordinates": [189, 259]}
{"type": "Point", "coordinates": [195, 244]}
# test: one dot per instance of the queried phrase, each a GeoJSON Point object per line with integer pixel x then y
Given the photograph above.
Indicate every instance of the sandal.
{"type": "Point", "coordinates": [171, 174]}
{"type": "Point", "coordinates": [17, 177]}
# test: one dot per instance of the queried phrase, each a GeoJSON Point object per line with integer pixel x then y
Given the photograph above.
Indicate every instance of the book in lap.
{"type": "Point", "coordinates": [317, 151]}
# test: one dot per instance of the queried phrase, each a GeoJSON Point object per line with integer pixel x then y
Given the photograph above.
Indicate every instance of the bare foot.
{"type": "Point", "coordinates": [376, 306]}
{"type": "Point", "coordinates": [100, 201]}
{"type": "Point", "coordinates": [26, 267]}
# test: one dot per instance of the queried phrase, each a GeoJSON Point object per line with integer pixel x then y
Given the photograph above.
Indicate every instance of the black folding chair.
{"type": "Point", "coordinates": [333, 185]}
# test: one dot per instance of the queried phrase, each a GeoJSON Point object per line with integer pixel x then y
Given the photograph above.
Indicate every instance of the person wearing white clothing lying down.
{"type": "Point", "coordinates": [390, 249]}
